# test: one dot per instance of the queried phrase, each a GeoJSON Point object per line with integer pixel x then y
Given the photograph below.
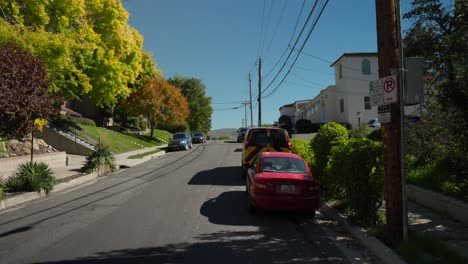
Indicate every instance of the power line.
{"type": "Point", "coordinates": [303, 45]}
{"type": "Point", "coordinates": [294, 46]}
{"type": "Point", "coordinates": [301, 78]}
{"type": "Point", "coordinates": [221, 103]}
{"type": "Point", "coordinates": [277, 26]}
{"type": "Point", "coordinates": [290, 40]}
{"type": "Point", "coordinates": [261, 29]}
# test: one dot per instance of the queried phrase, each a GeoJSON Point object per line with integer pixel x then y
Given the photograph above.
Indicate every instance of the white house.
{"type": "Point", "coordinates": [294, 110]}
{"type": "Point", "coordinates": [348, 101]}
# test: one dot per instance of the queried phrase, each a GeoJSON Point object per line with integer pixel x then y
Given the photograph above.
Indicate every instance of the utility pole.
{"type": "Point", "coordinates": [259, 91]}
{"type": "Point", "coordinates": [250, 92]}
{"type": "Point", "coordinates": [388, 34]}
{"type": "Point", "coordinates": [245, 112]}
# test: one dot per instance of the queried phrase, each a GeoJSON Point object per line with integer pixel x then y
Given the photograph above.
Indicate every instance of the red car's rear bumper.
{"type": "Point", "coordinates": [296, 202]}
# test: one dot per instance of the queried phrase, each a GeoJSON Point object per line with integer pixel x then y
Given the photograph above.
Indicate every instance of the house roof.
{"type": "Point", "coordinates": [355, 54]}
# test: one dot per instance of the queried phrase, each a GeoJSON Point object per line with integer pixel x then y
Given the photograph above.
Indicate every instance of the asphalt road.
{"type": "Point", "coordinates": [184, 207]}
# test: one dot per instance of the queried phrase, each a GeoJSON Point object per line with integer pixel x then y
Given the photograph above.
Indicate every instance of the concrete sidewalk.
{"type": "Point", "coordinates": [75, 162]}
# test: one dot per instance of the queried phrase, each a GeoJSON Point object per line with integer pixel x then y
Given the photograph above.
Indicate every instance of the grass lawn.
{"type": "Point", "coordinates": [139, 156]}
{"type": "Point", "coordinates": [119, 142]}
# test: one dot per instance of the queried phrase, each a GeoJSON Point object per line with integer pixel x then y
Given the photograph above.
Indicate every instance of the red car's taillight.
{"type": "Point", "coordinates": [313, 187]}
{"type": "Point", "coordinates": [263, 185]}
{"type": "Point", "coordinates": [289, 144]}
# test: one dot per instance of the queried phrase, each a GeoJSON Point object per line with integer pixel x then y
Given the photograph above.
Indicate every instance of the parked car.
{"type": "Point", "coordinates": [199, 137]}
{"type": "Point", "coordinates": [263, 139]}
{"type": "Point", "coordinates": [279, 180]}
{"type": "Point", "coordinates": [374, 124]}
{"type": "Point", "coordinates": [180, 140]}
{"type": "Point", "coordinates": [241, 134]}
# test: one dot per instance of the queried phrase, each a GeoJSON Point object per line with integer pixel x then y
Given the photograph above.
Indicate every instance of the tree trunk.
{"type": "Point", "coordinates": [152, 125]}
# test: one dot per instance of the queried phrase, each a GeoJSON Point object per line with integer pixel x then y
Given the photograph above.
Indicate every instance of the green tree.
{"type": "Point", "coordinates": [87, 46]}
{"type": "Point", "coordinates": [439, 34]}
{"type": "Point", "coordinates": [199, 103]}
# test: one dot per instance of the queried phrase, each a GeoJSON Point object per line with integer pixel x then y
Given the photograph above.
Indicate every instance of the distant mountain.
{"type": "Point", "coordinates": [230, 132]}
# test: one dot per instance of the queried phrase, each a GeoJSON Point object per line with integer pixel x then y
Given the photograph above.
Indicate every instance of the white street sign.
{"type": "Point", "coordinates": [384, 114]}
{"type": "Point", "coordinates": [383, 91]}
{"type": "Point", "coordinates": [376, 92]}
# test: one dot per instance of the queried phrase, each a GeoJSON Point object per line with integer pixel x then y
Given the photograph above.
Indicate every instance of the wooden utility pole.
{"type": "Point", "coordinates": [250, 92]}
{"type": "Point", "coordinates": [388, 35]}
{"type": "Point", "coordinates": [245, 112]}
{"type": "Point", "coordinates": [259, 91]}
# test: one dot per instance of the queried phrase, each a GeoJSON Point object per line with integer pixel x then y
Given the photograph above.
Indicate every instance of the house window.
{"type": "Point", "coordinates": [365, 66]}
{"type": "Point", "coordinates": [341, 105]}
{"type": "Point", "coordinates": [340, 70]}
{"type": "Point", "coordinates": [367, 104]}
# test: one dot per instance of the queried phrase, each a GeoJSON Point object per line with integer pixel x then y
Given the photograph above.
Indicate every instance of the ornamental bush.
{"type": "Point", "coordinates": [355, 172]}
{"type": "Point", "coordinates": [329, 135]}
{"type": "Point", "coordinates": [302, 148]}
{"type": "Point", "coordinates": [2, 189]}
{"type": "Point", "coordinates": [32, 177]}
{"type": "Point", "coordinates": [101, 160]}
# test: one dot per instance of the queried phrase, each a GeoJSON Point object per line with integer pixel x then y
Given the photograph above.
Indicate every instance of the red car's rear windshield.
{"type": "Point", "coordinates": [280, 164]}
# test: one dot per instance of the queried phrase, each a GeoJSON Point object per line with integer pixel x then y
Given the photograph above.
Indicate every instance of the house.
{"type": "Point", "coordinates": [348, 101]}
{"type": "Point", "coordinates": [294, 110]}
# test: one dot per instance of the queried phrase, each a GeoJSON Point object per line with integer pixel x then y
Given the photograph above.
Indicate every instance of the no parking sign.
{"type": "Point", "coordinates": [389, 84]}
{"type": "Point", "coordinates": [383, 91]}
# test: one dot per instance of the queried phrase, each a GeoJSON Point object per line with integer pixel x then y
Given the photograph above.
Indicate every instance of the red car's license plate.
{"type": "Point", "coordinates": [287, 188]}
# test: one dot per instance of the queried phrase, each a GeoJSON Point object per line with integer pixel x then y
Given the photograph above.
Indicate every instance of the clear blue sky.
{"type": "Point", "coordinates": [220, 41]}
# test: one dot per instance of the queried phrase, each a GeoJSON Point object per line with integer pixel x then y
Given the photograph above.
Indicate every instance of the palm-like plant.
{"type": "Point", "coordinates": [101, 160]}
{"type": "Point", "coordinates": [2, 189]}
{"type": "Point", "coordinates": [32, 176]}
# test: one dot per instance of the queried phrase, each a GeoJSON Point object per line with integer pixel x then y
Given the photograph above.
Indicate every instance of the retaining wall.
{"type": "Point", "coordinates": [438, 202]}
{"type": "Point", "coordinates": [9, 165]}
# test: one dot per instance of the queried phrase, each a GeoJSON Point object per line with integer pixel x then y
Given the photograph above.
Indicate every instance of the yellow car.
{"type": "Point", "coordinates": [263, 139]}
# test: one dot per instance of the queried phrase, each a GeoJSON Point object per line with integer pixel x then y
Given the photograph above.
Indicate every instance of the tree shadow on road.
{"type": "Point", "coordinates": [269, 237]}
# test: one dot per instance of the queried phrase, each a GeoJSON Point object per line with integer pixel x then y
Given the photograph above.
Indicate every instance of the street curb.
{"type": "Point", "coordinates": [31, 196]}
{"type": "Point", "coordinates": [77, 182]}
{"type": "Point", "coordinates": [380, 250]}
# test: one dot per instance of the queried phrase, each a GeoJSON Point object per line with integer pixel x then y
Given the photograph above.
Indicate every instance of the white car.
{"type": "Point", "coordinates": [374, 124]}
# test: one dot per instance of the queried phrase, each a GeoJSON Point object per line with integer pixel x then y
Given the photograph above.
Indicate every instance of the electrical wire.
{"type": "Point", "coordinates": [290, 40]}
{"type": "Point", "coordinates": [302, 47]}
{"type": "Point", "coordinates": [294, 46]}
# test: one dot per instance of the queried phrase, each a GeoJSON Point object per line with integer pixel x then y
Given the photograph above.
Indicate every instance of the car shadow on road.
{"type": "Point", "coordinates": [230, 208]}
{"type": "Point", "coordinates": [223, 176]}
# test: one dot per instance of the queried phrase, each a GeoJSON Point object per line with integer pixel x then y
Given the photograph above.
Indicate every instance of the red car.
{"type": "Point", "coordinates": [280, 180]}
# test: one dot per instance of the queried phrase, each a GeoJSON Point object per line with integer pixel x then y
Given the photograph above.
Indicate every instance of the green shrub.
{"type": "Point", "coordinates": [32, 176]}
{"type": "Point", "coordinates": [375, 135]}
{"type": "Point", "coordinates": [361, 132]}
{"type": "Point", "coordinates": [329, 135]}
{"type": "Point", "coordinates": [355, 177]}
{"type": "Point", "coordinates": [438, 175]}
{"type": "Point", "coordinates": [302, 148]}
{"type": "Point", "coordinates": [101, 160]}
{"type": "Point", "coordinates": [303, 126]}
